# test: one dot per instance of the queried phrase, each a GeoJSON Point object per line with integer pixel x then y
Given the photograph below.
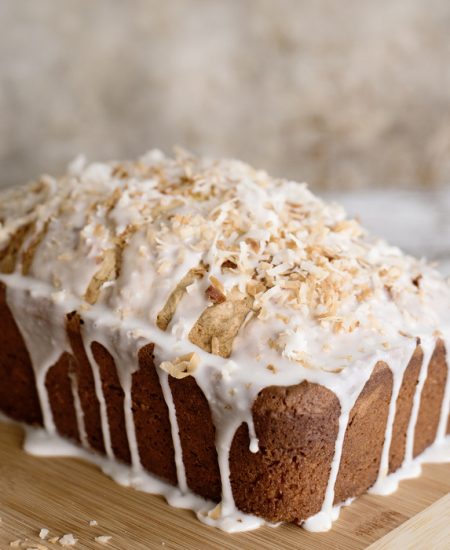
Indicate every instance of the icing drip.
{"type": "Point", "coordinates": [410, 467]}
{"type": "Point", "coordinates": [224, 440]}
{"type": "Point", "coordinates": [99, 393]}
{"type": "Point", "coordinates": [254, 442]}
{"type": "Point", "coordinates": [397, 379]}
{"type": "Point", "coordinates": [397, 362]}
{"type": "Point", "coordinates": [44, 336]}
{"type": "Point", "coordinates": [123, 347]}
{"type": "Point", "coordinates": [322, 520]}
{"type": "Point", "coordinates": [78, 410]}
{"type": "Point", "coordinates": [167, 393]}
{"type": "Point", "coordinates": [322, 298]}
{"type": "Point", "coordinates": [39, 442]}
{"type": "Point", "coordinates": [230, 405]}
{"type": "Point", "coordinates": [427, 344]}
{"type": "Point", "coordinates": [126, 382]}
{"type": "Point", "coordinates": [225, 515]}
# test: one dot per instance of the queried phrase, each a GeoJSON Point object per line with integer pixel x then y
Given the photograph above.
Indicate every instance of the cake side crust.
{"type": "Point", "coordinates": [296, 428]}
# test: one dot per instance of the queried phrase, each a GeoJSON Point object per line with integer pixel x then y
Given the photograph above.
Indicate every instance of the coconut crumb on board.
{"type": "Point", "coordinates": [64, 540]}
{"type": "Point", "coordinates": [67, 540]}
{"type": "Point", "coordinates": [43, 533]}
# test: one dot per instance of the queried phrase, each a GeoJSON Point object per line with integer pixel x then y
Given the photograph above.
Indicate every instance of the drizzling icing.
{"type": "Point", "coordinates": [167, 393]}
{"type": "Point", "coordinates": [285, 288]}
{"type": "Point", "coordinates": [99, 394]}
{"type": "Point", "coordinates": [427, 345]}
{"type": "Point", "coordinates": [397, 379]}
{"type": "Point", "coordinates": [46, 339]}
{"type": "Point", "coordinates": [79, 414]}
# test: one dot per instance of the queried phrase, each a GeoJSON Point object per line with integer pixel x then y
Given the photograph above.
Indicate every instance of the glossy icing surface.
{"type": "Point", "coordinates": [240, 280]}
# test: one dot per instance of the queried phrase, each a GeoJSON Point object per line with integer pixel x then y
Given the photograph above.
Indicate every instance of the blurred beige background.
{"type": "Point", "coordinates": [342, 94]}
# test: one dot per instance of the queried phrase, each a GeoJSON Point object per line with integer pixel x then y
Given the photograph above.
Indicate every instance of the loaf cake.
{"type": "Point", "coordinates": [220, 336]}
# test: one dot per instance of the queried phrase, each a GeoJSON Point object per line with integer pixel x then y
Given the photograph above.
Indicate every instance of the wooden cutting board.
{"type": "Point", "coordinates": [63, 495]}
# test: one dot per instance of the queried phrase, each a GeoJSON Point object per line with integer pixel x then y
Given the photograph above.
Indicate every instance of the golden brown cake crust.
{"type": "Point", "coordinates": [60, 395]}
{"type": "Point", "coordinates": [229, 332]}
{"type": "Point", "coordinates": [114, 397]}
{"type": "Point", "coordinates": [365, 435]}
{"type": "Point", "coordinates": [86, 385]}
{"type": "Point", "coordinates": [18, 396]}
{"type": "Point", "coordinates": [403, 410]}
{"type": "Point", "coordinates": [151, 419]}
{"type": "Point", "coordinates": [296, 425]}
{"type": "Point", "coordinates": [432, 393]}
{"type": "Point", "coordinates": [287, 479]}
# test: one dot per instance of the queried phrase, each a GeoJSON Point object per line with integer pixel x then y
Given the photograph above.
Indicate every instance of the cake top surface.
{"type": "Point", "coordinates": [214, 252]}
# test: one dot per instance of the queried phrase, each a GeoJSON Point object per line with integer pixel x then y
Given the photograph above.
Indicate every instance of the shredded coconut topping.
{"type": "Point", "coordinates": [222, 254]}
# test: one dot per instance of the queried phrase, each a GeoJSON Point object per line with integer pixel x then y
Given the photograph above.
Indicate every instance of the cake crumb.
{"type": "Point", "coordinates": [68, 540]}
{"type": "Point", "coordinates": [103, 539]}
{"type": "Point", "coordinates": [15, 543]}
{"type": "Point", "coordinates": [93, 523]}
{"type": "Point", "coordinates": [53, 540]}
{"type": "Point", "coordinates": [43, 533]}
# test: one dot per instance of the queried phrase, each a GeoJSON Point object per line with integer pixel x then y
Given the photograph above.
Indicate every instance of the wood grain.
{"type": "Point", "coordinates": [429, 529]}
{"type": "Point", "coordinates": [64, 494]}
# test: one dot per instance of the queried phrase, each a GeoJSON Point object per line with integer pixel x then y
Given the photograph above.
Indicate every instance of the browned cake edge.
{"type": "Point", "coordinates": [296, 425]}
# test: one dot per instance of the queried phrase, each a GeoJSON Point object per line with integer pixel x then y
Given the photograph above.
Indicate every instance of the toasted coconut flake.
{"type": "Point", "coordinates": [182, 366]}
{"type": "Point", "coordinates": [107, 272]}
{"type": "Point", "coordinates": [215, 295]}
{"type": "Point", "coordinates": [165, 315]}
{"type": "Point", "coordinates": [8, 255]}
{"type": "Point", "coordinates": [279, 252]}
{"type": "Point", "coordinates": [221, 322]}
{"type": "Point", "coordinates": [28, 254]}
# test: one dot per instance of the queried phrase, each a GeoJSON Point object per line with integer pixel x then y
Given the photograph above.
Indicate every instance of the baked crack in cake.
{"type": "Point", "coordinates": [202, 330]}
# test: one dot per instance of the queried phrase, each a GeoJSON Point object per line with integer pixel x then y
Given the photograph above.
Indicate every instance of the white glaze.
{"type": "Point", "coordinates": [387, 484]}
{"type": "Point", "coordinates": [397, 379]}
{"type": "Point", "coordinates": [98, 392]}
{"type": "Point", "coordinates": [39, 442]}
{"type": "Point", "coordinates": [79, 413]}
{"type": "Point", "coordinates": [216, 385]}
{"type": "Point", "coordinates": [123, 347]}
{"type": "Point", "coordinates": [306, 341]}
{"type": "Point", "coordinates": [178, 451]}
{"type": "Point", "coordinates": [44, 336]}
{"type": "Point", "coordinates": [427, 344]}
